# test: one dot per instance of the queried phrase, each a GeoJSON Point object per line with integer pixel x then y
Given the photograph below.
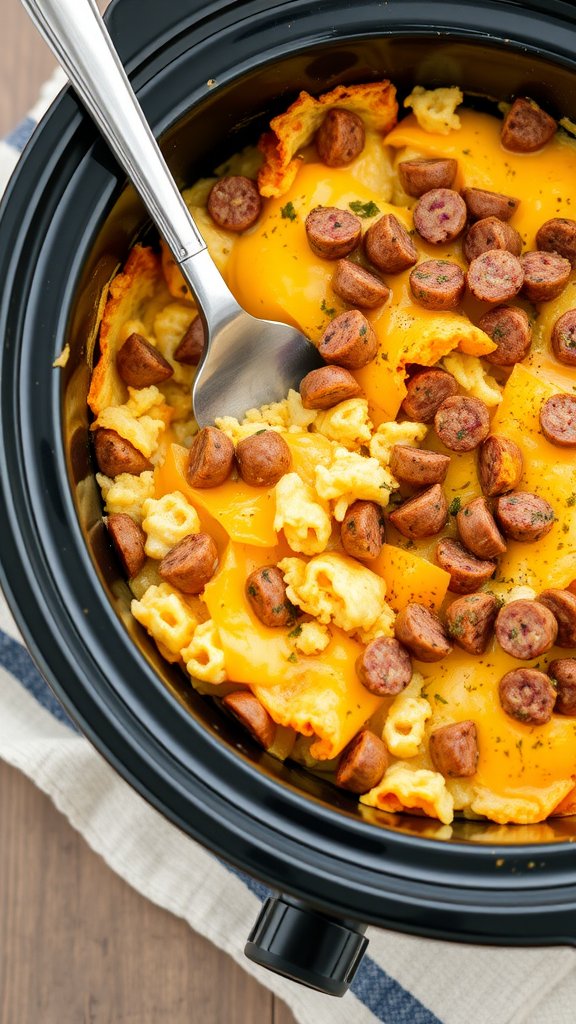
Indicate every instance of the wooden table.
{"type": "Point", "coordinates": [78, 945]}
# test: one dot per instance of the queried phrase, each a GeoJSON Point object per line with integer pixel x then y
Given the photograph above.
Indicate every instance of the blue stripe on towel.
{"type": "Point", "coordinates": [19, 135]}
{"type": "Point", "coordinates": [15, 658]}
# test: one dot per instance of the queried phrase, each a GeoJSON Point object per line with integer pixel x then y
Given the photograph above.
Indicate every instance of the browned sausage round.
{"type": "Point", "coordinates": [140, 364]}
{"type": "Point", "coordinates": [418, 467]}
{"type": "Point", "coordinates": [340, 138]}
{"type": "Point", "coordinates": [437, 284]}
{"type": "Point", "coordinates": [454, 749]}
{"type": "Point", "coordinates": [191, 564]}
{"type": "Point", "coordinates": [564, 338]}
{"type": "Point", "coordinates": [332, 233]}
{"type": "Point", "coordinates": [495, 276]}
{"type": "Point", "coordinates": [526, 127]}
{"type": "Point", "coordinates": [358, 287]}
{"type": "Point", "coordinates": [263, 458]}
{"type": "Point", "coordinates": [562, 604]}
{"type": "Point", "coordinates": [562, 673]}
{"type": "Point", "coordinates": [328, 386]}
{"type": "Point", "coordinates": [462, 423]}
{"type": "Point", "coordinates": [384, 667]}
{"type": "Point", "coordinates": [527, 695]}
{"type": "Point", "coordinates": [349, 340]}
{"type": "Point", "coordinates": [525, 629]}
{"type": "Point", "coordinates": [500, 465]}
{"type": "Point", "coordinates": [363, 763]}
{"type": "Point", "coordinates": [191, 347]}
{"type": "Point", "coordinates": [467, 573]}
{"type": "Point", "coordinates": [266, 592]}
{"type": "Point", "coordinates": [427, 390]}
{"type": "Point", "coordinates": [490, 233]}
{"type": "Point", "coordinates": [129, 540]}
{"type": "Point", "coordinates": [423, 515]}
{"type": "Point", "coordinates": [114, 455]}
{"type": "Point", "coordinates": [234, 203]}
{"type": "Point", "coordinates": [420, 176]}
{"type": "Point", "coordinates": [211, 458]}
{"type": "Point", "coordinates": [470, 621]}
{"type": "Point", "coordinates": [478, 530]}
{"type": "Point", "coordinates": [558, 235]}
{"type": "Point", "coordinates": [558, 420]}
{"type": "Point", "coordinates": [480, 203]}
{"type": "Point", "coordinates": [363, 530]}
{"type": "Point", "coordinates": [249, 711]}
{"type": "Point", "coordinates": [509, 328]}
{"type": "Point", "coordinates": [440, 215]}
{"type": "Point", "coordinates": [545, 275]}
{"type": "Point", "coordinates": [388, 245]}
{"type": "Point", "coordinates": [524, 516]}
{"type": "Point", "coordinates": [421, 631]}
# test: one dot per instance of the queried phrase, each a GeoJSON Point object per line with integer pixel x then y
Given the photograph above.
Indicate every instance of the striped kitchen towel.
{"type": "Point", "coordinates": [402, 980]}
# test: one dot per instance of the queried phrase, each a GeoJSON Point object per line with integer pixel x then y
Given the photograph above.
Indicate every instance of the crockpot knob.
{"type": "Point", "coordinates": [295, 941]}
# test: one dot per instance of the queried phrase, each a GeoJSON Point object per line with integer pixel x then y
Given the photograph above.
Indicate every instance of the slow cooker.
{"type": "Point", "coordinates": [209, 76]}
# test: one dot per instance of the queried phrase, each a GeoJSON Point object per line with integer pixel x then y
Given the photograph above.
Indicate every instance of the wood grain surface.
{"type": "Point", "coordinates": [78, 945]}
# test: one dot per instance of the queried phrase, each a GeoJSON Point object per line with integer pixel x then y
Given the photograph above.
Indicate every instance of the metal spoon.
{"type": "Point", "coordinates": [246, 361]}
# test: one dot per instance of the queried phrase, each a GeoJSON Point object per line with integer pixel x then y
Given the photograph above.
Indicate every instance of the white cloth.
{"type": "Point", "coordinates": [403, 980]}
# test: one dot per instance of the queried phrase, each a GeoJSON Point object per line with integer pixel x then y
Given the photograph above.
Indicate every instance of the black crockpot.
{"type": "Point", "coordinates": [210, 76]}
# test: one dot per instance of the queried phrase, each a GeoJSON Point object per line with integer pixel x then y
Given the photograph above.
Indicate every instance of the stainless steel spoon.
{"type": "Point", "coordinates": [246, 362]}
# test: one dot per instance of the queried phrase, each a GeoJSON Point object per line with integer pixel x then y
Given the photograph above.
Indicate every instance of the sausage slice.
{"type": "Point", "coordinates": [140, 364]}
{"type": "Point", "coordinates": [340, 138]}
{"type": "Point", "coordinates": [388, 245]}
{"type": "Point", "coordinates": [562, 674]}
{"type": "Point", "coordinates": [462, 423]}
{"type": "Point", "coordinates": [263, 458]}
{"type": "Point", "coordinates": [467, 573]}
{"type": "Point", "coordinates": [440, 215]}
{"type": "Point", "coordinates": [525, 629]}
{"type": "Point", "coordinates": [191, 563]}
{"type": "Point", "coordinates": [234, 203]}
{"type": "Point", "coordinates": [562, 604]}
{"type": "Point", "coordinates": [358, 287]}
{"type": "Point", "coordinates": [509, 328]}
{"type": "Point", "coordinates": [328, 386]}
{"type": "Point", "coordinates": [266, 592]}
{"type": "Point", "coordinates": [129, 540]}
{"type": "Point", "coordinates": [558, 420]}
{"type": "Point", "coordinates": [349, 340]}
{"type": "Point", "coordinates": [545, 275]}
{"type": "Point", "coordinates": [211, 458]}
{"type": "Point", "coordinates": [421, 631]}
{"type": "Point", "coordinates": [420, 176]}
{"type": "Point", "coordinates": [437, 284]}
{"type": "Point", "coordinates": [524, 516]}
{"type": "Point", "coordinates": [363, 530]}
{"type": "Point", "coordinates": [478, 530]}
{"type": "Point", "coordinates": [114, 455]}
{"type": "Point", "coordinates": [384, 667]}
{"type": "Point", "coordinates": [332, 233]}
{"type": "Point", "coordinates": [558, 235]}
{"type": "Point", "coordinates": [527, 695]}
{"type": "Point", "coordinates": [454, 749]}
{"type": "Point", "coordinates": [526, 127]}
{"type": "Point", "coordinates": [470, 621]}
{"type": "Point", "coordinates": [418, 467]}
{"type": "Point", "coordinates": [191, 347]}
{"type": "Point", "coordinates": [495, 276]}
{"type": "Point", "coordinates": [249, 711]}
{"type": "Point", "coordinates": [500, 465]}
{"type": "Point", "coordinates": [490, 233]}
{"type": "Point", "coordinates": [423, 515]}
{"type": "Point", "coordinates": [427, 390]}
{"type": "Point", "coordinates": [480, 204]}
{"type": "Point", "coordinates": [363, 763]}
{"type": "Point", "coordinates": [564, 338]}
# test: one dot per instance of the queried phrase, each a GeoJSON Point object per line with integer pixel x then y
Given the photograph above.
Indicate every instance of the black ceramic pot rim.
{"type": "Point", "coordinates": [272, 830]}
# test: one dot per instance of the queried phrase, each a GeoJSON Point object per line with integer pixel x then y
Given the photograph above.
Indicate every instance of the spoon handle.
{"type": "Point", "coordinates": [77, 35]}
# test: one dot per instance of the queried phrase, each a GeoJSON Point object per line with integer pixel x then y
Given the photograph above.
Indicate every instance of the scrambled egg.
{"type": "Point", "coordinates": [302, 515]}
{"type": "Point", "coordinates": [351, 477]}
{"type": "Point", "coordinates": [404, 787]}
{"type": "Point", "coordinates": [167, 617]}
{"type": "Point", "coordinates": [126, 493]}
{"type": "Point", "coordinates": [134, 420]}
{"type": "Point", "coordinates": [384, 626]}
{"type": "Point", "coordinates": [347, 423]}
{"type": "Point", "coordinates": [170, 326]}
{"type": "Point", "coordinates": [435, 108]}
{"type": "Point", "coordinates": [472, 376]}
{"type": "Point", "coordinates": [204, 657]}
{"type": "Point", "coordinates": [406, 722]}
{"type": "Point", "coordinates": [167, 521]}
{"type": "Point", "coordinates": [335, 588]}
{"type": "Point", "coordinates": [389, 434]}
{"type": "Point", "coordinates": [312, 638]}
